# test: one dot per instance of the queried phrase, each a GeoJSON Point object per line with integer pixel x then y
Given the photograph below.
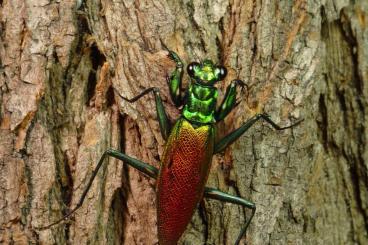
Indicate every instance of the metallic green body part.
{"type": "Point", "coordinates": [207, 72]}
{"type": "Point", "coordinates": [200, 106]}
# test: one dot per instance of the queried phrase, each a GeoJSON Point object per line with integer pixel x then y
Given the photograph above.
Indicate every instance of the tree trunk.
{"type": "Point", "coordinates": [63, 64]}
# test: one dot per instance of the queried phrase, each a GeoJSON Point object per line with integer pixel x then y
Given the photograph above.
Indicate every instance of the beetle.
{"type": "Point", "coordinates": [190, 145]}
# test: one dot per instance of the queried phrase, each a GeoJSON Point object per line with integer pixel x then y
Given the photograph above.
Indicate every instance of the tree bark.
{"type": "Point", "coordinates": [63, 64]}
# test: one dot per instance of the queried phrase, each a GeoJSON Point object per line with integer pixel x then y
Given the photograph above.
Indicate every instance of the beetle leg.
{"type": "Point", "coordinates": [231, 137]}
{"type": "Point", "coordinates": [224, 197]}
{"type": "Point", "coordinates": [145, 168]}
{"type": "Point", "coordinates": [175, 79]}
{"type": "Point", "coordinates": [229, 102]}
{"type": "Point", "coordinates": [160, 109]}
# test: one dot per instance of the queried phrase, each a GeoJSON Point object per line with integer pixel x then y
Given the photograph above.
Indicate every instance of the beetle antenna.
{"type": "Point", "coordinates": [164, 45]}
{"type": "Point", "coordinates": [197, 57]}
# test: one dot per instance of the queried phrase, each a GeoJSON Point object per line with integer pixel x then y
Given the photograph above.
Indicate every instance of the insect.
{"type": "Point", "coordinates": [190, 145]}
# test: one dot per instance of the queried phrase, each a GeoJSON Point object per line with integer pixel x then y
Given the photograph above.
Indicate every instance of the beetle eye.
{"type": "Point", "coordinates": [191, 68]}
{"type": "Point", "coordinates": [223, 73]}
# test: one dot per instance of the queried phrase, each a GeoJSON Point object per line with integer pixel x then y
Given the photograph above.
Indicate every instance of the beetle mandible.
{"type": "Point", "coordinates": [190, 145]}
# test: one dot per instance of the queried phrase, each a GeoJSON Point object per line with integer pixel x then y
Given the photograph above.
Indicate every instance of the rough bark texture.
{"type": "Point", "coordinates": [63, 63]}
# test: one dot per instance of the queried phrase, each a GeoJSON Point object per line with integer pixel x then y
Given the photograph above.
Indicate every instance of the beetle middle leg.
{"type": "Point", "coordinates": [143, 167]}
{"type": "Point", "coordinates": [224, 197]}
{"type": "Point", "coordinates": [231, 137]}
{"type": "Point", "coordinates": [160, 109]}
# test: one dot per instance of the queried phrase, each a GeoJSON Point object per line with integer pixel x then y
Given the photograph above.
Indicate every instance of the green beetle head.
{"type": "Point", "coordinates": [206, 72]}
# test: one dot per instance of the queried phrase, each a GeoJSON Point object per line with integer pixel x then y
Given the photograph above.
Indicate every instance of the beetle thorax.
{"type": "Point", "coordinates": [201, 104]}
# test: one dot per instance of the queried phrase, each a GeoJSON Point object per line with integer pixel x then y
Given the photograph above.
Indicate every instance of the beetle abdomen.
{"type": "Point", "coordinates": [183, 174]}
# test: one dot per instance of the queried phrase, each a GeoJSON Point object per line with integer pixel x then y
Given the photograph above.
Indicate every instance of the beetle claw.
{"type": "Point", "coordinates": [171, 55]}
{"type": "Point", "coordinates": [167, 79]}
{"type": "Point", "coordinates": [242, 84]}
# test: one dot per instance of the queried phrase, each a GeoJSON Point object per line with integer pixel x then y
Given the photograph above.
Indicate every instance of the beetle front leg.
{"type": "Point", "coordinates": [231, 137]}
{"type": "Point", "coordinates": [175, 79]}
{"type": "Point", "coordinates": [160, 109]}
{"type": "Point", "coordinates": [229, 101]}
{"type": "Point", "coordinates": [224, 197]}
{"type": "Point", "coordinates": [143, 167]}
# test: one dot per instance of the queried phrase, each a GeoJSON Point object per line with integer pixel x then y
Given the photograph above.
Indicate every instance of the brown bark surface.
{"type": "Point", "coordinates": [63, 63]}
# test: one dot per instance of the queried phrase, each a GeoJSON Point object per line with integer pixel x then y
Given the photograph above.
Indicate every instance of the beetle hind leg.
{"type": "Point", "coordinates": [143, 167]}
{"type": "Point", "coordinates": [224, 197]}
